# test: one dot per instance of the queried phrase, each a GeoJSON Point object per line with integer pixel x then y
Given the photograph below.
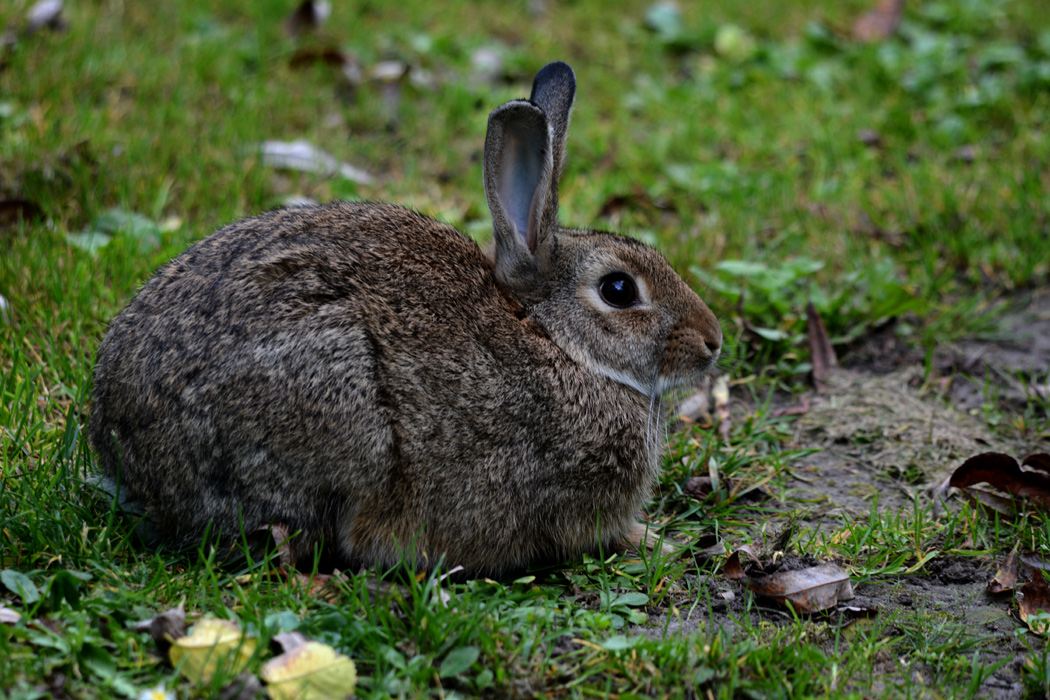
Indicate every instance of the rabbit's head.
{"type": "Point", "coordinates": [612, 303]}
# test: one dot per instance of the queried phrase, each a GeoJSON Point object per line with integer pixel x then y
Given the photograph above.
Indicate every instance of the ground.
{"type": "Point", "coordinates": [890, 174]}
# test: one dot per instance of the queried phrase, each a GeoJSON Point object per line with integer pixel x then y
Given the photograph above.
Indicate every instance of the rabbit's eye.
{"type": "Point", "coordinates": [618, 289]}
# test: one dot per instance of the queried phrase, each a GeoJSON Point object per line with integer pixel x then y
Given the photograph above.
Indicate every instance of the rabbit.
{"type": "Point", "coordinates": [374, 381]}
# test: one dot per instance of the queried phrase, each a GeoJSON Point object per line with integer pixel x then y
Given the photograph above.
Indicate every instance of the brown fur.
{"type": "Point", "coordinates": [367, 376]}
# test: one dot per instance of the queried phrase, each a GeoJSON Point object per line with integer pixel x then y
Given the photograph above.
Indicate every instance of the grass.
{"type": "Point", "coordinates": [905, 179]}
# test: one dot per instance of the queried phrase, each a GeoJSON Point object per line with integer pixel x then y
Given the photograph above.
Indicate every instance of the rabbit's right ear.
{"type": "Point", "coordinates": [520, 187]}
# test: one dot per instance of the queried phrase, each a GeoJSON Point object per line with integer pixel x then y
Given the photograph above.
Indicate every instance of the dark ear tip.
{"type": "Point", "coordinates": [519, 111]}
{"type": "Point", "coordinates": [557, 72]}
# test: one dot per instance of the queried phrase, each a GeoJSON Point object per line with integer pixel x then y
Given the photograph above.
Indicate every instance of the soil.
{"type": "Point", "coordinates": [890, 427]}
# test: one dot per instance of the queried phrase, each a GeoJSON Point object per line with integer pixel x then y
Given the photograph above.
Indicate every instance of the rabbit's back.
{"type": "Point", "coordinates": [355, 372]}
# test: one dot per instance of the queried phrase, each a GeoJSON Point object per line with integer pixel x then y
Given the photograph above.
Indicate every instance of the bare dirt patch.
{"type": "Point", "coordinates": [887, 427]}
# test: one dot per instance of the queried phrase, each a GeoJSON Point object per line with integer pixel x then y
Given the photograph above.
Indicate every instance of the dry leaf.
{"type": "Point", "coordinates": [275, 540]}
{"type": "Point", "coordinates": [880, 23]}
{"type": "Point", "coordinates": [696, 407]}
{"type": "Point", "coordinates": [309, 15]}
{"type": "Point", "coordinates": [287, 641]}
{"type": "Point", "coordinates": [212, 644]}
{"type": "Point", "coordinates": [734, 569]}
{"type": "Point", "coordinates": [46, 13]}
{"type": "Point", "coordinates": [822, 355]}
{"type": "Point", "coordinates": [1006, 577]}
{"type": "Point", "coordinates": [8, 616]}
{"type": "Point", "coordinates": [243, 687]}
{"type": "Point", "coordinates": [1034, 603]}
{"type": "Point", "coordinates": [303, 155]}
{"type": "Point", "coordinates": [809, 590]}
{"type": "Point", "coordinates": [720, 393]}
{"type": "Point", "coordinates": [14, 210]}
{"type": "Point", "coordinates": [310, 671]}
{"type": "Point", "coordinates": [703, 486]}
{"type": "Point", "coordinates": [1002, 472]}
{"type": "Point", "coordinates": [709, 546]}
{"type": "Point", "coordinates": [992, 502]}
{"type": "Point", "coordinates": [1035, 560]}
{"type": "Point", "coordinates": [165, 628]}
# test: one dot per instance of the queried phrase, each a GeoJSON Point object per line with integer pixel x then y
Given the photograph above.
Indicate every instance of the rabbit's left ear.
{"type": "Point", "coordinates": [523, 157]}
{"type": "Point", "coordinates": [554, 91]}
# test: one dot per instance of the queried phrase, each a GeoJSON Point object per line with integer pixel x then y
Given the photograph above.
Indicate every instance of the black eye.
{"type": "Point", "coordinates": [618, 289]}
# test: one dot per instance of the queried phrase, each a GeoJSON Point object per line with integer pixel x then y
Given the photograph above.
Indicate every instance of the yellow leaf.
{"type": "Point", "coordinates": [312, 671]}
{"type": "Point", "coordinates": [211, 644]}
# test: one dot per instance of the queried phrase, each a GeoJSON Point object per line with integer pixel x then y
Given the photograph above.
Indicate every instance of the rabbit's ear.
{"type": "Point", "coordinates": [520, 187]}
{"type": "Point", "coordinates": [554, 91]}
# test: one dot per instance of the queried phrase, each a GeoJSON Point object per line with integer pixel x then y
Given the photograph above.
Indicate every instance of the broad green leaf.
{"type": "Point", "coordinates": [458, 661]}
{"type": "Point", "coordinates": [91, 241]}
{"type": "Point", "coordinates": [633, 599]}
{"type": "Point", "coordinates": [618, 642]}
{"type": "Point", "coordinates": [19, 583]}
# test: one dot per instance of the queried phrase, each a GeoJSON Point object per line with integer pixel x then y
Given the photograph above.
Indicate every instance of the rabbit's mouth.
{"type": "Point", "coordinates": [690, 354]}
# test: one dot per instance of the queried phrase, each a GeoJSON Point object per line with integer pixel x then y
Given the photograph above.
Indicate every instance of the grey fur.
{"type": "Point", "coordinates": [363, 375]}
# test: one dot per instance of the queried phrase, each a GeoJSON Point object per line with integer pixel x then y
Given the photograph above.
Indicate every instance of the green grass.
{"type": "Point", "coordinates": [748, 171]}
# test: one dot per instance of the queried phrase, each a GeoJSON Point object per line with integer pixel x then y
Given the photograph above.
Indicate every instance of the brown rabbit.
{"type": "Point", "coordinates": [368, 377]}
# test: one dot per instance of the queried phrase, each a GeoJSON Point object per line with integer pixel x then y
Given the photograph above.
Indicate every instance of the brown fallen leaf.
{"type": "Point", "coordinates": [308, 15]}
{"type": "Point", "coordinates": [272, 540]}
{"type": "Point", "coordinates": [344, 61]}
{"type": "Point", "coordinates": [880, 23]}
{"type": "Point", "coordinates": [637, 199]}
{"type": "Point", "coordinates": [799, 409]}
{"type": "Point", "coordinates": [1038, 462]}
{"type": "Point", "coordinates": [736, 569]}
{"type": "Point", "coordinates": [991, 502]}
{"type": "Point", "coordinates": [852, 613]}
{"type": "Point", "coordinates": [1035, 560]}
{"type": "Point", "coordinates": [703, 486]}
{"type": "Point", "coordinates": [1034, 603]}
{"type": "Point", "coordinates": [165, 628]}
{"type": "Point", "coordinates": [287, 641]}
{"type": "Point", "coordinates": [310, 671]}
{"type": "Point", "coordinates": [243, 687]}
{"type": "Point", "coordinates": [212, 644]}
{"type": "Point", "coordinates": [1005, 578]}
{"type": "Point", "coordinates": [14, 210]}
{"type": "Point", "coordinates": [822, 355]}
{"type": "Point", "coordinates": [733, 569]}
{"type": "Point", "coordinates": [809, 590]}
{"type": "Point", "coordinates": [708, 546]}
{"type": "Point", "coordinates": [1002, 472]}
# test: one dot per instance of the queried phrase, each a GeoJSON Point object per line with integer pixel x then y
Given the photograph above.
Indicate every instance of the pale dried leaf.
{"type": "Point", "coordinates": [720, 393]}
{"type": "Point", "coordinates": [287, 641]}
{"type": "Point", "coordinates": [8, 616]}
{"type": "Point", "coordinates": [311, 671]}
{"type": "Point", "coordinates": [809, 590]}
{"type": "Point", "coordinates": [212, 644]}
{"type": "Point", "coordinates": [304, 156]}
{"type": "Point", "coordinates": [46, 13]}
{"type": "Point", "coordinates": [880, 23]}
